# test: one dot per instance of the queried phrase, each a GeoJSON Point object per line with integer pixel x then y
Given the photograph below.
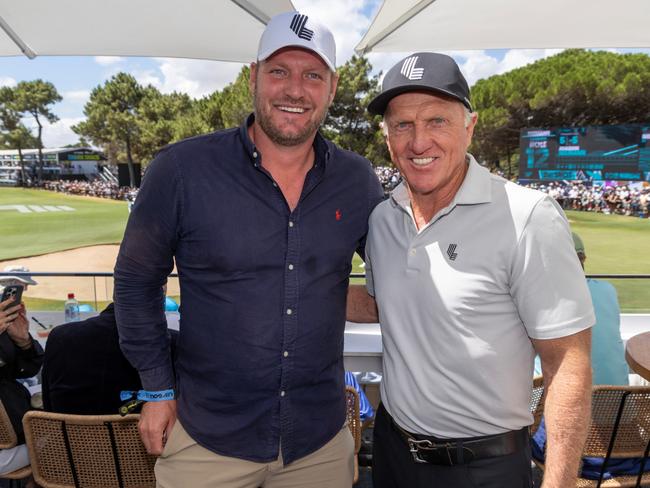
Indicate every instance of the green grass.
{"type": "Point", "coordinates": [614, 244]}
{"type": "Point", "coordinates": [47, 305]}
{"type": "Point", "coordinates": [94, 221]}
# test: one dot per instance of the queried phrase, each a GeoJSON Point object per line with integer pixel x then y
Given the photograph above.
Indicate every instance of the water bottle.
{"type": "Point", "coordinates": [71, 308]}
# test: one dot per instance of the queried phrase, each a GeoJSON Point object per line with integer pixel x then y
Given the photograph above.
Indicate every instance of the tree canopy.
{"type": "Point", "coordinates": [112, 116]}
{"type": "Point", "coordinates": [348, 122]}
{"type": "Point", "coordinates": [34, 98]}
{"type": "Point", "coordinates": [575, 87]}
{"type": "Point", "coordinates": [132, 122]}
{"type": "Point", "coordinates": [13, 133]}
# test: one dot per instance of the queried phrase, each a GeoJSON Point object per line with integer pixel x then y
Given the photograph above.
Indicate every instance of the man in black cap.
{"type": "Point", "coordinates": [472, 275]}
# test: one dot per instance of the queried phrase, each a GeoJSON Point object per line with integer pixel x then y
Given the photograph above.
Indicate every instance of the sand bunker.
{"type": "Point", "coordinates": [84, 259]}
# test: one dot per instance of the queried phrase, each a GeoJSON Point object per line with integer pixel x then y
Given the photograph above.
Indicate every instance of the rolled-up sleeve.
{"type": "Point", "coordinates": [145, 260]}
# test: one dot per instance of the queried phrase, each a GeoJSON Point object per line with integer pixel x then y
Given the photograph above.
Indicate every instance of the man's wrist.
{"type": "Point", "coordinates": [24, 344]}
{"type": "Point", "coordinates": [148, 395]}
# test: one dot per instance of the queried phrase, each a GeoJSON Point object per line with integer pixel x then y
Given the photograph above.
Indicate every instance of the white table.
{"type": "Point", "coordinates": [633, 324]}
{"type": "Point", "coordinates": [362, 349]}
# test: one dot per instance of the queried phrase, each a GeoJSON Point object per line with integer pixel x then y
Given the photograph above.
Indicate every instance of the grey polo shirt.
{"type": "Point", "coordinates": [460, 299]}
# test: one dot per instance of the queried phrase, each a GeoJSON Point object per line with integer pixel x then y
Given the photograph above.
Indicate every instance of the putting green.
{"type": "Point", "coordinates": [38, 222]}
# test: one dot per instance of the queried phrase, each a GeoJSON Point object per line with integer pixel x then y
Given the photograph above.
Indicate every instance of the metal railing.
{"type": "Point", "coordinates": [632, 299]}
{"type": "Point", "coordinates": [108, 274]}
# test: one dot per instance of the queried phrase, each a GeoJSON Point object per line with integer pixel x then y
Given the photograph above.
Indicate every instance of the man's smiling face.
{"type": "Point", "coordinates": [292, 91]}
{"type": "Point", "coordinates": [428, 137]}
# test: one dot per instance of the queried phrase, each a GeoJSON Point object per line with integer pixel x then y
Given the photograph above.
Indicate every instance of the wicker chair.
{"type": "Point", "coordinates": [354, 423]}
{"type": "Point", "coordinates": [620, 428]}
{"type": "Point", "coordinates": [89, 451]}
{"type": "Point", "coordinates": [8, 439]}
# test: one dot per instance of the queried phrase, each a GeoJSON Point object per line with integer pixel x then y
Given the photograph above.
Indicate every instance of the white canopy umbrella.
{"type": "Point", "coordinates": [444, 25]}
{"type": "Point", "coordinates": [225, 30]}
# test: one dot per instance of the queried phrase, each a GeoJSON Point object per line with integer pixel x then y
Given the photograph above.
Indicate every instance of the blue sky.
{"type": "Point", "coordinates": [75, 77]}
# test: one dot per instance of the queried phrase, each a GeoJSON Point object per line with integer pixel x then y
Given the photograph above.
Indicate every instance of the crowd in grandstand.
{"type": "Point", "coordinates": [388, 176]}
{"type": "Point", "coordinates": [96, 188]}
{"type": "Point", "coordinates": [623, 200]}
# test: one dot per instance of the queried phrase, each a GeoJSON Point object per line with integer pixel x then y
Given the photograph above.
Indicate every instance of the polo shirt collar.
{"type": "Point", "coordinates": [400, 195]}
{"type": "Point", "coordinates": [321, 147]}
{"type": "Point", "coordinates": [476, 187]}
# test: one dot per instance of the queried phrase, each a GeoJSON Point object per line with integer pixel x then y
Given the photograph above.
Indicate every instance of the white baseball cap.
{"type": "Point", "coordinates": [27, 279]}
{"type": "Point", "coordinates": [293, 29]}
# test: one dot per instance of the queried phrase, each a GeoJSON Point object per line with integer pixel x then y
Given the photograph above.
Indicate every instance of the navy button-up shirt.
{"type": "Point", "coordinates": [260, 350]}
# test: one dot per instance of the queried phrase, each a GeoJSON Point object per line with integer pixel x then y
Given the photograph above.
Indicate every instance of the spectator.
{"type": "Point", "coordinates": [84, 369]}
{"type": "Point", "coordinates": [621, 200]}
{"type": "Point", "coordinates": [20, 357]}
{"type": "Point", "coordinates": [98, 188]}
{"type": "Point", "coordinates": [607, 350]}
{"type": "Point", "coordinates": [608, 368]}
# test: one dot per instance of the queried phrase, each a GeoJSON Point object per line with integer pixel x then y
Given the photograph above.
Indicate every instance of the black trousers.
{"type": "Point", "coordinates": [393, 465]}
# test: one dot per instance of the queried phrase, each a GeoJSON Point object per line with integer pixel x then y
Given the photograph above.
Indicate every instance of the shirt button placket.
{"type": "Point", "coordinates": [290, 314]}
{"type": "Point", "coordinates": [414, 253]}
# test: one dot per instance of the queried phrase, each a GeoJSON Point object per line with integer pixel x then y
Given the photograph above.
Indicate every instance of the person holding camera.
{"type": "Point", "coordinates": [20, 357]}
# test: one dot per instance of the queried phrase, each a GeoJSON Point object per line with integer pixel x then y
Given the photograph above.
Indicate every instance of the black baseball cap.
{"type": "Point", "coordinates": [434, 72]}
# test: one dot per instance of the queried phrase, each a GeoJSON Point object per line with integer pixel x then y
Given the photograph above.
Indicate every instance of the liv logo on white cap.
{"type": "Point", "coordinates": [410, 71]}
{"type": "Point", "coordinates": [291, 29]}
{"type": "Point", "coordinates": [298, 26]}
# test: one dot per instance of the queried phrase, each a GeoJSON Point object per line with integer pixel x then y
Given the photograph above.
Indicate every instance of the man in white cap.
{"type": "Point", "coordinates": [262, 222]}
{"type": "Point", "coordinates": [472, 275]}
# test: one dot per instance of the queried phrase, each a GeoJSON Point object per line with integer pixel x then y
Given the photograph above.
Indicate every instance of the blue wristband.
{"type": "Point", "coordinates": [148, 396]}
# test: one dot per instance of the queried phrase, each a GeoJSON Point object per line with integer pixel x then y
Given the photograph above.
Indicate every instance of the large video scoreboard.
{"type": "Point", "coordinates": [606, 152]}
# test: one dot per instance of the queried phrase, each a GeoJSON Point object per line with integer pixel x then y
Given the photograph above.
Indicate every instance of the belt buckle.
{"type": "Point", "coordinates": [415, 445]}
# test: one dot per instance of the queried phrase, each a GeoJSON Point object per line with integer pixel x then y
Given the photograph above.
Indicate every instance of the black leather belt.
{"type": "Point", "coordinates": [450, 452]}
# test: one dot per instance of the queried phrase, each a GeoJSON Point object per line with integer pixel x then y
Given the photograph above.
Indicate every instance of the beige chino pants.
{"type": "Point", "coordinates": [184, 463]}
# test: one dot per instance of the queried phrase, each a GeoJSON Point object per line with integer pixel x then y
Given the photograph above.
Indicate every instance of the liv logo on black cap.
{"type": "Point", "coordinates": [410, 71]}
{"type": "Point", "coordinates": [298, 26]}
